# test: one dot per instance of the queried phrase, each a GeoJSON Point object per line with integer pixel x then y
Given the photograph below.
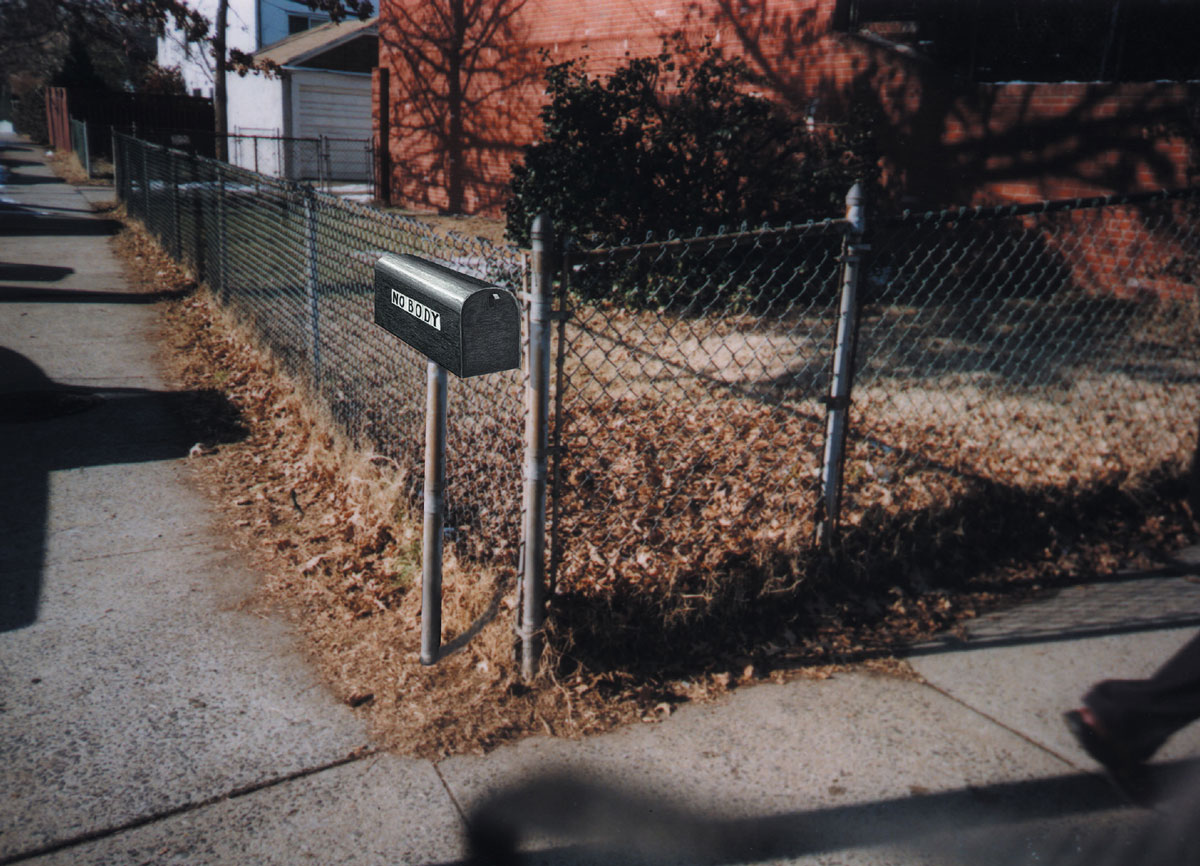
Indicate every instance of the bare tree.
{"type": "Point", "coordinates": [34, 34]}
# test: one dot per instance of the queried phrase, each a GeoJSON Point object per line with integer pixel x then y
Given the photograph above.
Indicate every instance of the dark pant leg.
{"type": "Point", "coordinates": [1144, 713]}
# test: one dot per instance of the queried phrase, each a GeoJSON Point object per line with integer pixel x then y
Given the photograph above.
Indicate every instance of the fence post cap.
{"type": "Point", "coordinates": [856, 207]}
{"type": "Point", "coordinates": [543, 229]}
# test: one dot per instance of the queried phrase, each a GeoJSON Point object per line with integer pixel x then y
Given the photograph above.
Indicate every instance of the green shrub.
{"type": "Point", "coordinates": [675, 142]}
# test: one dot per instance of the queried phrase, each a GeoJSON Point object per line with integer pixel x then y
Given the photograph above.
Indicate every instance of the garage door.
{"type": "Point", "coordinates": [336, 110]}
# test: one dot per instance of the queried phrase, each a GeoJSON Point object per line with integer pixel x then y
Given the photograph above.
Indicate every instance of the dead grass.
{"type": "Point", "coordinates": [491, 229]}
{"type": "Point", "coordinates": [66, 165]}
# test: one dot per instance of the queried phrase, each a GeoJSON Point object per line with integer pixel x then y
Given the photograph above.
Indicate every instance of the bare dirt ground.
{"type": "Point", "coordinates": [491, 229]}
{"type": "Point", "coordinates": [320, 520]}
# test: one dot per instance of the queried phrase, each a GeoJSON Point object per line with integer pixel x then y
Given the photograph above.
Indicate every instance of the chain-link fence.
{"type": "Point", "coordinates": [690, 412]}
{"type": "Point", "coordinates": [1025, 353]}
{"type": "Point", "coordinates": [299, 265]}
{"type": "Point", "coordinates": [1007, 359]}
{"type": "Point", "coordinates": [1003, 361]}
{"type": "Point", "coordinates": [340, 165]}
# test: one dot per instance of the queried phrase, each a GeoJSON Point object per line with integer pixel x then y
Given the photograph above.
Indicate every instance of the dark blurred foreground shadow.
{"type": "Point", "coordinates": [46, 426]}
{"type": "Point", "coordinates": [1073, 820]}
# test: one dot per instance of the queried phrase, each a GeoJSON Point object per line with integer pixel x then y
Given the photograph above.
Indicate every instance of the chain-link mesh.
{"type": "Point", "coordinates": [1033, 348]}
{"type": "Point", "coordinates": [1028, 350]}
{"type": "Point", "coordinates": [689, 419]}
{"type": "Point", "coordinates": [299, 266]}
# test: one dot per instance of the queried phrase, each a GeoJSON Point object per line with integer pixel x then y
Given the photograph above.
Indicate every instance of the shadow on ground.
{"type": "Point", "coordinates": [1001, 824]}
{"type": "Point", "coordinates": [47, 427]}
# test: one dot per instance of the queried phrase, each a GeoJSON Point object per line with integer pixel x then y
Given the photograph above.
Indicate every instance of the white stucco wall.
{"type": "Point", "coordinates": [256, 107]}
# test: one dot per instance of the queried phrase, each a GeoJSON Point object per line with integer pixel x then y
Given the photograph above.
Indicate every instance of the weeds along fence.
{"type": "Point", "coordinates": [299, 266]}
{"type": "Point", "coordinates": [903, 391]}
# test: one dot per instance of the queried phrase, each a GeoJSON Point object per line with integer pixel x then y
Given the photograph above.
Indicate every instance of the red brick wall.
{"type": "Point", "coordinates": [943, 142]}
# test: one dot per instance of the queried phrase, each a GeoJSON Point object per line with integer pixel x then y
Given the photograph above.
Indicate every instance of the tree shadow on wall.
{"type": "Point", "coordinates": [944, 138]}
{"type": "Point", "coordinates": [460, 100]}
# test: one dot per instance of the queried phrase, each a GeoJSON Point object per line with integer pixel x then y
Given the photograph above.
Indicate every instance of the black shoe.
{"type": "Point", "coordinates": [1127, 774]}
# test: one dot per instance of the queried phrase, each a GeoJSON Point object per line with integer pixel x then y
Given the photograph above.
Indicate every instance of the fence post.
{"type": "Point", "coordinates": [145, 184]}
{"type": "Point", "coordinates": [310, 281]}
{"type": "Point", "coordinates": [324, 163]}
{"type": "Point", "coordinates": [838, 401]}
{"type": "Point", "coordinates": [222, 238]}
{"type": "Point", "coordinates": [537, 410]}
{"type": "Point", "coordinates": [87, 151]}
{"type": "Point", "coordinates": [116, 161]}
{"type": "Point", "coordinates": [383, 134]}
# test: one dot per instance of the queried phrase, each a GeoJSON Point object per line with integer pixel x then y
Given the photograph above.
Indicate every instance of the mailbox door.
{"type": "Point", "coordinates": [491, 332]}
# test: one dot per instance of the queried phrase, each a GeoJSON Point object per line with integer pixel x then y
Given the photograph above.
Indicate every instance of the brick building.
{"type": "Point", "coordinates": [975, 103]}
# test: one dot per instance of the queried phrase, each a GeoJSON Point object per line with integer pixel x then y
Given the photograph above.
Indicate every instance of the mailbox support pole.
{"type": "Point", "coordinates": [537, 411]}
{"type": "Point", "coordinates": [838, 401]}
{"type": "Point", "coordinates": [435, 484]}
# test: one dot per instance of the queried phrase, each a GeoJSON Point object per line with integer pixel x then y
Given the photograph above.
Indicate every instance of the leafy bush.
{"type": "Point", "coordinates": [675, 142]}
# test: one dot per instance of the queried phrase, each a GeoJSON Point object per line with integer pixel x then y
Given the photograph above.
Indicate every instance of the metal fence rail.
{"type": "Point", "coordinates": [298, 264]}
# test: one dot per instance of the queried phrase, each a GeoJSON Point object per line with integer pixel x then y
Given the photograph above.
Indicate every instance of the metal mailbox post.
{"type": "Point", "coordinates": [461, 324]}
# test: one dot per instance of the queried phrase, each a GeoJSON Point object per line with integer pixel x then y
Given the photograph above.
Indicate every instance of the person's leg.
{"type": "Point", "coordinates": [1141, 714]}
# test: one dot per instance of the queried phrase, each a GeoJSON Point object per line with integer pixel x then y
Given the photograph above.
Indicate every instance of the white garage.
{"type": "Point", "coordinates": [312, 120]}
{"type": "Point", "coordinates": [335, 108]}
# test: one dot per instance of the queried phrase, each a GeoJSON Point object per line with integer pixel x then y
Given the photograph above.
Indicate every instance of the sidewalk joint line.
{"type": "Point", "coordinates": [449, 793]}
{"type": "Point", "coordinates": [146, 820]}
{"type": "Point", "coordinates": [1022, 735]}
{"type": "Point", "coordinates": [83, 560]}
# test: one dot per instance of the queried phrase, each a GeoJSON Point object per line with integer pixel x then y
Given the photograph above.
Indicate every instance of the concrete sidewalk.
{"type": "Point", "coordinates": [147, 717]}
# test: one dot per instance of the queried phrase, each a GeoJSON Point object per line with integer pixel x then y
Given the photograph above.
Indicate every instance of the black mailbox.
{"type": "Point", "coordinates": [465, 325]}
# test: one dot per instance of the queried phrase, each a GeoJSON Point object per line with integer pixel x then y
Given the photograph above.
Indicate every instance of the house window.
{"type": "Point", "coordinates": [298, 23]}
{"type": "Point", "coordinates": [1039, 40]}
